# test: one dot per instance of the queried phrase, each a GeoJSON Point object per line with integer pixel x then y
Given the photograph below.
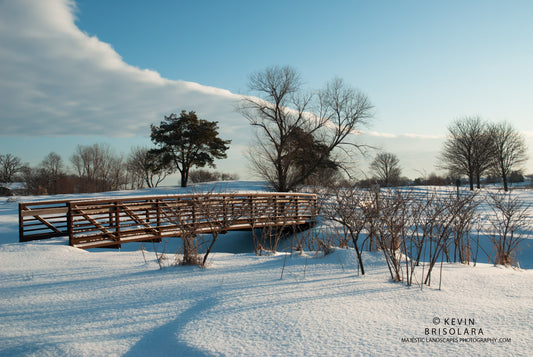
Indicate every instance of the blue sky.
{"type": "Point", "coordinates": [101, 71]}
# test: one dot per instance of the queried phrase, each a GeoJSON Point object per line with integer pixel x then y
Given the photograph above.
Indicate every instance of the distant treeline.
{"type": "Point", "coordinates": [92, 168]}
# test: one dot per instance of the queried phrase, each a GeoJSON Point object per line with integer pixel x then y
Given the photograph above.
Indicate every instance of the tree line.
{"type": "Point", "coordinates": [95, 168]}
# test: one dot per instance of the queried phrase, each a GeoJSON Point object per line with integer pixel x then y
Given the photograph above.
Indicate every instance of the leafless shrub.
{"type": "Point", "coordinates": [406, 226]}
{"type": "Point", "coordinates": [202, 175]}
{"type": "Point", "coordinates": [143, 251]}
{"type": "Point", "coordinates": [410, 227]}
{"type": "Point", "coordinates": [340, 236]}
{"type": "Point", "coordinates": [464, 211]}
{"type": "Point", "coordinates": [218, 213]}
{"type": "Point", "coordinates": [190, 250]}
{"type": "Point", "coordinates": [323, 247]}
{"type": "Point", "coordinates": [320, 242]}
{"type": "Point", "coordinates": [210, 213]}
{"type": "Point", "coordinates": [393, 227]}
{"type": "Point", "coordinates": [183, 216]}
{"type": "Point", "coordinates": [159, 257]}
{"type": "Point", "coordinates": [347, 207]}
{"type": "Point", "coordinates": [269, 239]}
{"type": "Point", "coordinates": [510, 224]}
{"type": "Point", "coordinates": [371, 213]}
{"type": "Point", "coordinates": [267, 211]}
{"type": "Point", "coordinates": [309, 240]}
{"type": "Point", "coordinates": [448, 221]}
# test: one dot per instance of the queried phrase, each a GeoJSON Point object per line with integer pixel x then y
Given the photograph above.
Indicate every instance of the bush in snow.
{"type": "Point", "coordinates": [406, 225]}
{"type": "Point", "coordinates": [348, 206]}
{"type": "Point", "coordinates": [510, 223]}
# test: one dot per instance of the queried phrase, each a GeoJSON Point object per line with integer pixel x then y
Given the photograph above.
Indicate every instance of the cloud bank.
{"type": "Point", "coordinates": [57, 80]}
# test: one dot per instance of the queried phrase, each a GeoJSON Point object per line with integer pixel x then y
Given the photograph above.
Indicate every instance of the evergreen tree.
{"type": "Point", "coordinates": [187, 141]}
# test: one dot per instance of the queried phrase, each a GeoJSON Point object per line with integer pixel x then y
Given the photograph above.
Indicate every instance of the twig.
{"type": "Point", "coordinates": [283, 269]}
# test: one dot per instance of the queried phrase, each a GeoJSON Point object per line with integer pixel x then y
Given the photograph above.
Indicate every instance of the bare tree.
{"type": "Point", "coordinates": [145, 168]}
{"type": "Point", "coordinates": [386, 169]}
{"type": "Point", "coordinates": [47, 178]}
{"type": "Point", "coordinates": [9, 166]}
{"type": "Point", "coordinates": [509, 150]}
{"type": "Point", "coordinates": [53, 170]}
{"type": "Point", "coordinates": [99, 167]}
{"type": "Point", "coordinates": [467, 151]}
{"type": "Point", "coordinates": [283, 114]}
{"type": "Point", "coordinates": [276, 113]}
{"type": "Point", "coordinates": [53, 164]}
{"type": "Point", "coordinates": [34, 180]}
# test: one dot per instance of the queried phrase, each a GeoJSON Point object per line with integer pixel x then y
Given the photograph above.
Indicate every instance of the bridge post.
{"type": "Point", "coordinates": [70, 224]}
{"type": "Point", "coordinates": [252, 209]}
{"type": "Point", "coordinates": [117, 220]}
{"type": "Point", "coordinates": [21, 223]}
{"type": "Point", "coordinates": [158, 216]}
{"type": "Point", "coordinates": [194, 201]}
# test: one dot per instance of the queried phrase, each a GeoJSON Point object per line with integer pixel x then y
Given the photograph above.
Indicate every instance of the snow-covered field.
{"type": "Point", "coordinates": [56, 300]}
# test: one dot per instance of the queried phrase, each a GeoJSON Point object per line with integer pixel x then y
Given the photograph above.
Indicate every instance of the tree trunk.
{"type": "Point", "coordinates": [505, 186]}
{"type": "Point", "coordinates": [355, 237]}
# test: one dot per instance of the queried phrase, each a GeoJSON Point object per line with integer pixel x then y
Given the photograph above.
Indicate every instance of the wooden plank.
{"type": "Point", "coordinates": [40, 236]}
{"type": "Point", "coordinates": [43, 211]}
{"type": "Point", "coordinates": [94, 211]}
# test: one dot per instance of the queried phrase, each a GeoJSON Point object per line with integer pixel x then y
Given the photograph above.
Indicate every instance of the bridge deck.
{"type": "Point", "coordinates": [113, 221]}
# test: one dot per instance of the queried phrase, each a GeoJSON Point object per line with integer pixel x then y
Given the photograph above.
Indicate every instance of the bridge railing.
{"type": "Point", "coordinates": [42, 220]}
{"type": "Point", "coordinates": [113, 221]}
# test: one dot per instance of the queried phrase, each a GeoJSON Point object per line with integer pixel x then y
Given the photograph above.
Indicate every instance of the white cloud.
{"type": "Point", "coordinates": [422, 136]}
{"type": "Point", "coordinates": [57, 80]}
{"type": "Point", "coordinates": [397, 136]}
{"type": "Point", "coordinates": [379, 135]}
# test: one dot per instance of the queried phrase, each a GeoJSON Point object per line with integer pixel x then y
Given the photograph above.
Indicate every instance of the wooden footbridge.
{"type": "Point", "coordinates": [111, 222]}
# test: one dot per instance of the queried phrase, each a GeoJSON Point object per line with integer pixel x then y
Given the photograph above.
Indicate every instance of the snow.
{"type": "Point", "coordinates": [56, 300]}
